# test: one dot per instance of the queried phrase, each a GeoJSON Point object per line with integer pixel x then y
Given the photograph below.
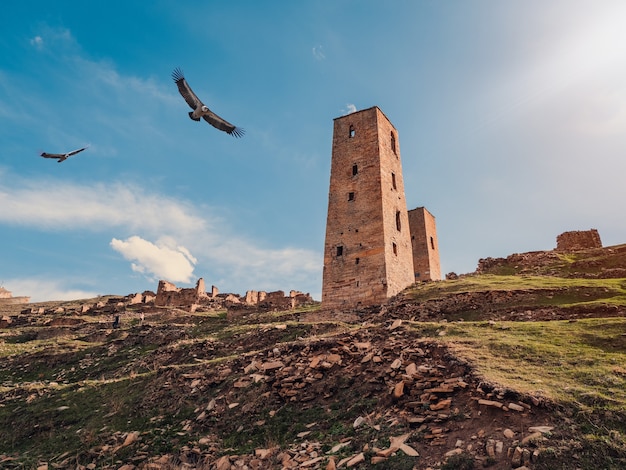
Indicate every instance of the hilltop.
{"type": "Point", "coordinates": [522, 363]}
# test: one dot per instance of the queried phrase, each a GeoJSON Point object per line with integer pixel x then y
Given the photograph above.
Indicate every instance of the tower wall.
{"type": "Point", "coordinates": [425, 245]}
{"type": "Point", "coordinates": [367, 252]}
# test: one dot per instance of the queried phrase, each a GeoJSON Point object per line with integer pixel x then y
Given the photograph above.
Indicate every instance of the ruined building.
{"type": "Point", "coordinates": [578, 240]}
{"type": "Point", "coordinates": [425, 247]}
{"type": "Point", "coordinates": [368, 252]}
{"type": "Point", "coordinates": [6, 297]}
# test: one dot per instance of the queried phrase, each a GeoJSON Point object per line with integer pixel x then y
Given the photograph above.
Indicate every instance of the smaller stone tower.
{"type": "Point", "coordinates": [425, 245]}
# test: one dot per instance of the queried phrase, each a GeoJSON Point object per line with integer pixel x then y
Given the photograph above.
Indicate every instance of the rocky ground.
{"type": "Point", "coordinates": [170, 389]}
{"type": "Point", "coordinates": [283, 394]}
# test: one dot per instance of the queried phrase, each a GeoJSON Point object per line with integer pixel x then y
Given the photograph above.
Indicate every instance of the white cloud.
{"type": "Point", "coordinates": [318, 53]}
{"type": "Point", "coordinates": [40, 290]}
{"type": "Point", "coordinates": [350, 108]}
{"type": "Point", "coordinates": [179, 228]}
{"type": "Point", "coordinates": [56, 205]}
{"type": "Point", "coordinates": [37, 42]}
{"type": "Point", "coordinates": [53, 37]}
{"type": "Point", "coordinates": [157, 261]}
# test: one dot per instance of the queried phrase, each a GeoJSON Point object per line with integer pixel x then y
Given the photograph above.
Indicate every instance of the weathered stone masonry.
{"type": "Point", "coordinates": [425, 246]}
{"type": "Point", "coordinates": [368, 255]}
{"type": "Point", "coordinates": [578, 240]}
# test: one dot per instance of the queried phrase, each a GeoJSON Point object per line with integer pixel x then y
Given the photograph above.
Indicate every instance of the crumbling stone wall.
{"type": "Point", "coordinates": [6, 297]}
{"type": "Point", "coordinates": [578, 240]}
{"type": "Point", "coordinates": [170, 295]}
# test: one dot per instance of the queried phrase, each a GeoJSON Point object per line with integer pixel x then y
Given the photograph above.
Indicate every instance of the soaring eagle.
{"type": "Point", "coordinates": [200, 110]}
{"type": "Point", "coordinates": [61, 157]}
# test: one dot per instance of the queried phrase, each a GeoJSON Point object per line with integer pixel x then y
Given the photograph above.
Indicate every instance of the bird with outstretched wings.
{"type": "Point", "coordinates": [200, 110]}
{"type": "Point", "coordinates": [61, 157]}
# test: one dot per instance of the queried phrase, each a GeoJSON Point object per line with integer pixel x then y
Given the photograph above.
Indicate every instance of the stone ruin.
{"type": "Point", "coordinates": [6, 297]}
{"type": "Point", "coordinates": [578, 240]}
{"type": "Point", "coordinates": [565, 243]}
{"type": "Point", "coordinates": [168, 295]}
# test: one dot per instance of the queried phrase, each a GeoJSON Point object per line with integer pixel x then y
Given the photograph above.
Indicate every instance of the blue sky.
{"type": "Point", "coordinates": [511, 119]}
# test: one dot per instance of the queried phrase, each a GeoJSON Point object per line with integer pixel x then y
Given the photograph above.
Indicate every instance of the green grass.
{"type": "Point", "coordinates": [75, 418]}
{"type": "Point", "coordinates": [578, 365]}
{"type": "Point", "coordinates": [102, 384]}
{"type": "Point", "coordinates": [577, 362]}
{"type": "Point", "coordinates": [568, 292]}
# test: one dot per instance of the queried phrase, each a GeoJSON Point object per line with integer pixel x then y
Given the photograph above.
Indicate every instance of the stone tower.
{"type": "Point", "coordinates": [425, 246]}
{"type": "Point", "coordinates": [367, 253]}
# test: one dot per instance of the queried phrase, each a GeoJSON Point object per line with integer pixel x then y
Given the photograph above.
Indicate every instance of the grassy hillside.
{"type": "Point", "coordinates": [446, 370]}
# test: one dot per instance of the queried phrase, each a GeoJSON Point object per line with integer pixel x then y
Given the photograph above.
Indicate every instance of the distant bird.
{"type": "Point", "coordinates": [200, 110]}
{"type": "Point", "coordinates": [61, 157]}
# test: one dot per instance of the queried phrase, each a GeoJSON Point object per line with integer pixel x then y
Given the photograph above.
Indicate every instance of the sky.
{"type": "Point", "coordinates": [511, 120]}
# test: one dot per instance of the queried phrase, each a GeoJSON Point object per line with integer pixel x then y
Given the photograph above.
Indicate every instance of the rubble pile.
{"type": "Point", "coordinates": [414, 402]}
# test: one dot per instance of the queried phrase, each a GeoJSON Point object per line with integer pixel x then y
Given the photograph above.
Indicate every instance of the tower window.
{"type": "Point", "coordinates": [393, 180]}
{"type": "Point", "coordinates": [355, 169]}
{"type": "Point", "coordinates": [352, 132]}
{"type": "Point", "coordinates": [398, 224]}
{"type": "Point", "coordinates": [395, 249]}
{"type": "Point", "coordinates": [393, 142]}
{"type": "Point", "coordinates": [350, 196]}
{"type": "Point", "coordinates": [356, 261]}
{"type": "Point", "coordinates": [340, 250]}
{"type": "Point", "coordinates": [432, 243]}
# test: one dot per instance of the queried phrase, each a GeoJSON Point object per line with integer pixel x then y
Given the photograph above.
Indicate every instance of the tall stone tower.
{"type": "Point", "coordinates": [367, 253]}
{"type": "Point", "coordinates": [425, 246]}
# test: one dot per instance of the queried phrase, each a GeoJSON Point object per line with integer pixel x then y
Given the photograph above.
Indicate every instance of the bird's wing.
{"type": "Point", "coordinates": [74, 152]}
{"type": "Point", "coordinates": [223, 125]}
{"type": "Point", "coordinates": [51, 155]}
{"type": "Point", "coordinates": [185, 90]}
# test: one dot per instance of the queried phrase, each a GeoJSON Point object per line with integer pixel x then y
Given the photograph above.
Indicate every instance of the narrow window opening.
{"type": "Point", "coordinates": [432, 243]}
{"type": "Point", "coordinates": [393, 142]}
{"type": "Point", "coordinates": [340, 251]}
{"type": "Point", "coordinates": [395, 249]}
{"type": "Point", "coordinates": [357, 284]}
{"type": "Point", "coordinates": [350, 196]}
{"type": "Point", "coordinates": [393, 180]}
{"type": "Point", "coordinates": [355, 169]}
{"type": "Point", "coordinates": [357, 261]}
{"type": "Point", "coordinates": [352, 132]}
{"type": "Point", "coordinates": [398, 224]}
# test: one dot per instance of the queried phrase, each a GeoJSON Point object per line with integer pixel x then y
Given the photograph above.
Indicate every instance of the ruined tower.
{"type": "Point", "coordinates": [367, 253]}
{"type": "Point", "coordinates": [425, 246]}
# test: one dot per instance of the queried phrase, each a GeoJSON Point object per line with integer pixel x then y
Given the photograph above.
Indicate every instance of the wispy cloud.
{"type": "Point", "coordinates": [37, 42]}
{"type": "Point", "coordinates": [318, 52]}
{"type": "Point", "coordinates": [40, 290]}
{"type": "Point", "coordinates": [349, 109]}
{"type": "Point", "coordinates": [50, 37]}
{"type": "Point", "coordinates": [179, 228]}
{"type": "Point", "coordinates": [58, 206]}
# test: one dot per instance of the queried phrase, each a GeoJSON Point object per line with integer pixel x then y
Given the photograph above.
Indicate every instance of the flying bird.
{"type": "Point", "coordinates": [200, 110]}
{"type": "Point", "coordinates": [61, 157]}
